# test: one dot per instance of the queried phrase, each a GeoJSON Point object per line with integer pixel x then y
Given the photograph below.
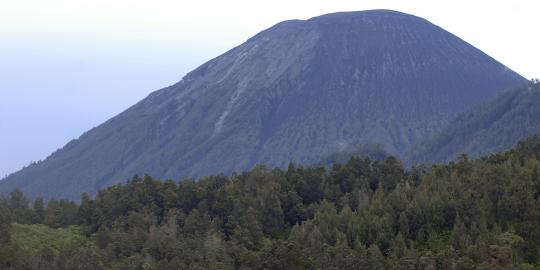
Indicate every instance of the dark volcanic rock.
{"type": "Point", "coordinates": [300, 91]}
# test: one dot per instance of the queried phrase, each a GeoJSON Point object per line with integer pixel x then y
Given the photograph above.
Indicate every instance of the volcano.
{"type": "Point", "coordinates": [298, 91]}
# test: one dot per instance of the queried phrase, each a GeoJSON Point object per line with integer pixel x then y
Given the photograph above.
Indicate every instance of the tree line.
{"type": "Point", "coordinates": [360, 214]}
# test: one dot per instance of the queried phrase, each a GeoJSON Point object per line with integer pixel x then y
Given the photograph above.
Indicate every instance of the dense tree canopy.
{"type": "Point", "coordinates": [363, 214]}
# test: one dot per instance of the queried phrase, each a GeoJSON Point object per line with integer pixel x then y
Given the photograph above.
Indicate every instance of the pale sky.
{"type": "Point", "coordinates": [69, 65]}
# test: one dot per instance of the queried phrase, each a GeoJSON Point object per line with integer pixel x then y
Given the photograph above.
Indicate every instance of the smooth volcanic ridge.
{"type": "Point", "coordinates": [298, 91]}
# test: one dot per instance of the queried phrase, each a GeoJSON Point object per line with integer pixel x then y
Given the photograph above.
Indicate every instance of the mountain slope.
{"type": "Point", "coordinates": [300, 90]}
{"type": "Point", "coordinates": [493, 127]}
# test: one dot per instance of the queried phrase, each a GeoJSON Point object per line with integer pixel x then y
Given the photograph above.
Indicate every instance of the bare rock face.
{"type": "Point", "coordinates": [298, 91]}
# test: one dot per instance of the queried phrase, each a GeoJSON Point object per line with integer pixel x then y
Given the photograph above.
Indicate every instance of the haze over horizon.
{"type": "Point", "coordinates": [70, 65]}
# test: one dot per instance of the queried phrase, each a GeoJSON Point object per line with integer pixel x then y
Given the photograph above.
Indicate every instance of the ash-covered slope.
{"type": "Point", "coordinates": [300, 91]}
{"type": "Point", "coordinates": [493, 127]}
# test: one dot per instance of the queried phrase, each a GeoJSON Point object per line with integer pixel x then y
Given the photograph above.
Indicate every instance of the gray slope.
{"type": "Point", "coordinates": [300, 91]}
{"type": "Point", "coordinates": [493, 127]}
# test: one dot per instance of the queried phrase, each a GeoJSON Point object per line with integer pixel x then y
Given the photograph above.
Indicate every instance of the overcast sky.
{"type": "Point", "coordinates": [69, 65]}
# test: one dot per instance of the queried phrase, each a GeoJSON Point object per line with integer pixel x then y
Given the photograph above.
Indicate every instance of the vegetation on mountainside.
{"type": "Point", "coordinates": [36, 237]}
{"type": "Point", "coordinates": [490, 128]}
{"type": "Point", "coordinates": [363, 214]}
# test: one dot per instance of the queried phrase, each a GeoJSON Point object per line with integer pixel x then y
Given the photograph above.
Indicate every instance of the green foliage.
{"type": "Point", "coordinates": [39, 211]}
{"type": "Point", "coordinates": [36, 237]}
{"type": "Point", "coordinates": [5, 222]}
{"type": "Point", "coordinates": [38, 246]}
{"type": "Point", "coordinates": [363, 214]}
{"type": "Point", "coordinates": [61, 213]}
{"type": "Point", "coordinates": [19, 206]}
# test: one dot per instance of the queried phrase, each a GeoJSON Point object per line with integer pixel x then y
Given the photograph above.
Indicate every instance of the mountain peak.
{"type": "Point", "coordinates": [297, 91]}
{"type": "Point", "coordinates": [374, 13]}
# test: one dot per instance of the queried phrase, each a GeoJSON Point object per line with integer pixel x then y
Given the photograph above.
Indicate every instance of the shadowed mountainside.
{"type": "Point", "coordinates": [493, 127]}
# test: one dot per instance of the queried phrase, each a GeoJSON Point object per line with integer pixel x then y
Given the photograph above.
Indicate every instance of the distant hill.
{"type": "Point", "coordinates": [297, 91]}
{"type": "Point", "coordinates": [493, 127]}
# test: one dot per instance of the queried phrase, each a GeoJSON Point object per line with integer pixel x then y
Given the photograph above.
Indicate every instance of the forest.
{"type": "Point", "coordinates": [479, 213]}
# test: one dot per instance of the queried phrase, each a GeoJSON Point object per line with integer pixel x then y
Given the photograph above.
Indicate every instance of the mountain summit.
{"type": "Point", "coordinates": [298, 91]}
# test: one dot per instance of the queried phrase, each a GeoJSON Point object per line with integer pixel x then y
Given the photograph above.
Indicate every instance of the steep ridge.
{"type": "Point", "coordinates": [496, 126]}
{"type": "Point", "coordinates": [300, 90]}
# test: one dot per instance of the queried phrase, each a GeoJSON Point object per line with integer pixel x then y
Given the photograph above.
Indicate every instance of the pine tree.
{"type": "Point", "coordinates": [375, 258]}
{"type": "Point", "coordinates": [460, 237]}
{"type": "Point", "coordinates": [39, 211]}
{"type": "Point", "coordinates": [17, 200]}
{"type": "Point", "coordinates": [5, 223]}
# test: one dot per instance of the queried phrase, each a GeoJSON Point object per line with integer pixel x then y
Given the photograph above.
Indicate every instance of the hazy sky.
{"type": "Point", "coordinates": [68, 65]}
